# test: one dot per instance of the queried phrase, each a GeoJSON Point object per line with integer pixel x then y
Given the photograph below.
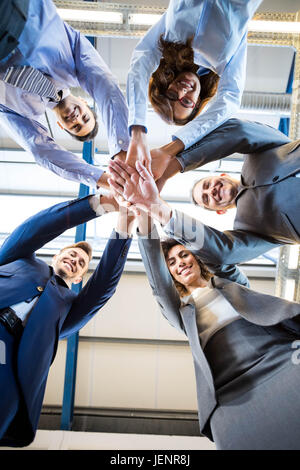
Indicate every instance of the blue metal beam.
{"type": "Point", "coordinates": [72, 341]}
{"type": "Point", "coordinates": [284, 123]}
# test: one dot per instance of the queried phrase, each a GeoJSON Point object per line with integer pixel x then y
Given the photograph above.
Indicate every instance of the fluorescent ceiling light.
{"type": "Point", "coordinates": [289, 289]}
{"type": "Point", "coordinates": [90, 15]}
{"type": "Point", "coordinates": [143, 19]}
{"type": "Point", "coordinates": [293, 256]}
{"type": "Point", "coordinates": [274, 26]}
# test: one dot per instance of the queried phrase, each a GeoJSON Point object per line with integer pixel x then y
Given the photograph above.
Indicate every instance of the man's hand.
{"type": "Point", "coordinates": [160, 160]}
{"type": "Point", "coordinates": [138, 149]}
{"type": "Point", "coordinates": [164, 163]}
{"type": "Point", "coordinates": [122, 155]}
{"type": "Point", "coordinates": [173, 168]}
{"type": "Point", "coordinates": [139, 188]}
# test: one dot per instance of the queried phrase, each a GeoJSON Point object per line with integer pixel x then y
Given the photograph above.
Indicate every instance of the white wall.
{"type": "Point", "coordinates": [128, 374]}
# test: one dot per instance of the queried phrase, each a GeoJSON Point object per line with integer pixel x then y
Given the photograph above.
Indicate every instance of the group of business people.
{"type": "Point", "coordinates": [193, 63]}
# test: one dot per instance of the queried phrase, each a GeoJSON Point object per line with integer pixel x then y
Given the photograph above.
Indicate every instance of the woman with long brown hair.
{"type": "Point", "coordinates": [247, 374]}
{"type": "Point", "coordinates": [195, 52]}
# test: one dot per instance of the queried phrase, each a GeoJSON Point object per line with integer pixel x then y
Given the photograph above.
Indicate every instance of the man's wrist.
{"type": "Point", "coordinates": [108, 203]}
{"type": "Point", "coordinates": [174, 147]}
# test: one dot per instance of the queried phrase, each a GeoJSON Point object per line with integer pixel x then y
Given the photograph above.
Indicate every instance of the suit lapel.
{"type": "Point", "coordinates": [261, 309]}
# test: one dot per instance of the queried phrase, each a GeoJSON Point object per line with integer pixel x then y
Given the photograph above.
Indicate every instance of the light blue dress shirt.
{"type": "Point", "coordinates": [56, 49]}
{"type": "Point", "coordinates": [220, 44]}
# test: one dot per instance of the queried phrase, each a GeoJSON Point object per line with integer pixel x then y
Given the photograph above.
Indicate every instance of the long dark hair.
{"type": "Point", "coordinates": [178, 57]}
{"type": "Point", "coordinates": [205, 273]}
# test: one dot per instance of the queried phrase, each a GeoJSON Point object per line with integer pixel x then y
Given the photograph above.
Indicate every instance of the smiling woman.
{"type": "Point", "coordinates": [246, 382]}
{"type": "Point", "coordinates": [206, 40]}
{"type": "Point", "coordinates": [186, 268]}
{"type": "Point", "coordinates": [176, 92]}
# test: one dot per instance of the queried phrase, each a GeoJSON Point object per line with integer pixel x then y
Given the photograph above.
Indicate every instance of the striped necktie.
{"type": "Point", "coordinates": [31, 80]}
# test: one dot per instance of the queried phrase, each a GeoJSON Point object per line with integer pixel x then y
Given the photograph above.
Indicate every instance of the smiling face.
{"type": "Point", "coordinates": [216, 192]}
{"type": "Point", "coordinates": [71, 264]}
{"type": "Point", "coordinates": [184, 268]}
{"type": "Point", "coordinates": [75, 116]}
{"type": "Point", "coordinates": [183, 94]}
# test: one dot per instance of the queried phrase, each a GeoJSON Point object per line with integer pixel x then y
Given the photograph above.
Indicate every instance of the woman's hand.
{"type": "Point", "coordinates": [138, 149]}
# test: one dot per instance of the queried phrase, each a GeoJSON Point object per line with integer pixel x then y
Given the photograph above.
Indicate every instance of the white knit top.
{"type": "Point", "coordinates": [213, 312]}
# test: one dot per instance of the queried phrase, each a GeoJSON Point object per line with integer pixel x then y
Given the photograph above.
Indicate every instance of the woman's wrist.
{"type": "Point", "coordinates": [138, 132]}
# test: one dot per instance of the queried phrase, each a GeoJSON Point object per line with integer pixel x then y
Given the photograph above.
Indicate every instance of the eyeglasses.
{"type": "Point", "coordinates": [173, 96]}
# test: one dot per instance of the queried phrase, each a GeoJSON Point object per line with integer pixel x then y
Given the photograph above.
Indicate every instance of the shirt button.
{"type": "Point", "coordinates": [40, 288]}
{"type": "Point", "coordinates": [120, 141]}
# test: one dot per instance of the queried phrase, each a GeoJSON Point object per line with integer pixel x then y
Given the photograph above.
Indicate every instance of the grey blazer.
{"type": "Point", "coordinates": [268, 201]}
{"type": "Point", "coordinates": [258, 308]}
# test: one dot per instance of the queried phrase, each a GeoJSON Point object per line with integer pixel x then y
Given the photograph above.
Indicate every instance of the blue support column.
{"type": "Point", "coordinates": [72, 342]}
{"type": "Point", "coordinates": [284, 123]}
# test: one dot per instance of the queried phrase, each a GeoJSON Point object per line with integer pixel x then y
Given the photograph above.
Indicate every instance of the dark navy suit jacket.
{"type": "Point", "coordinates": [59, 312]}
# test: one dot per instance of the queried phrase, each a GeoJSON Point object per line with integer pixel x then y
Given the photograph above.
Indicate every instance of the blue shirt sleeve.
{"type": "Point", "coordinates": [96, 79]}
{"type": "Point", "coordinates": [34, 138]}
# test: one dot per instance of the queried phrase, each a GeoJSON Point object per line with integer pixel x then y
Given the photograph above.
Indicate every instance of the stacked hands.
{"type": "Point", "coordinates": [136, 189]}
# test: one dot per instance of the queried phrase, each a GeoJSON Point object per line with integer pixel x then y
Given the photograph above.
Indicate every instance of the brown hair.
{"type": "Point", "coordinates": [85, 246]}
{"type": "Point", "coordinates": [205, 273]}
{"type": "Point", "coordinates": [176, 58]}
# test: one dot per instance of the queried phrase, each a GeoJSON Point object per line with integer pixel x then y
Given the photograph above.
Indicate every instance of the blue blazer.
{"type": "Point", "coordinates": [59, 312]}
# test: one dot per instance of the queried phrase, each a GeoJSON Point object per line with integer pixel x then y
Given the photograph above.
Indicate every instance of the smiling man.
{"type": "Point", "coordinates": [72, 262]}
{"type": "Point", "coordinates": [77, 118]}
{"type": "Point", "coordinates": [49, 57]}
{"type": "Point", "coordinates": [216, 193]}
{"type": "Point", "coordinates": [37, 306]}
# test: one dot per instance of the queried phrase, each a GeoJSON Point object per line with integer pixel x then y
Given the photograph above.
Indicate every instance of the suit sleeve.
{"type": "Point", "coordinates": [233, 136]}
{"type": "Point", "coordinates": [230, 272]}
{"type": "Point", "coordinates": [100, 287]}
{"type": "Point", "coordinates": [160, 280]}
{"type": "Point", "coordinates": [43, 227]}
{"type": "Point", "coordinates": [213, 246]}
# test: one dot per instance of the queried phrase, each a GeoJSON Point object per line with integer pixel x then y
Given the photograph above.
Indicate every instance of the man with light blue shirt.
{"type": "Point", "coordinates": [49, 57]}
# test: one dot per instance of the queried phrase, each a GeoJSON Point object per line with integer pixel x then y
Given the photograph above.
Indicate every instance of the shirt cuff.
{"type": "Point", "coordinates": [181, 162]}
{"type": "Point", "coordinates": [96, 206]}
